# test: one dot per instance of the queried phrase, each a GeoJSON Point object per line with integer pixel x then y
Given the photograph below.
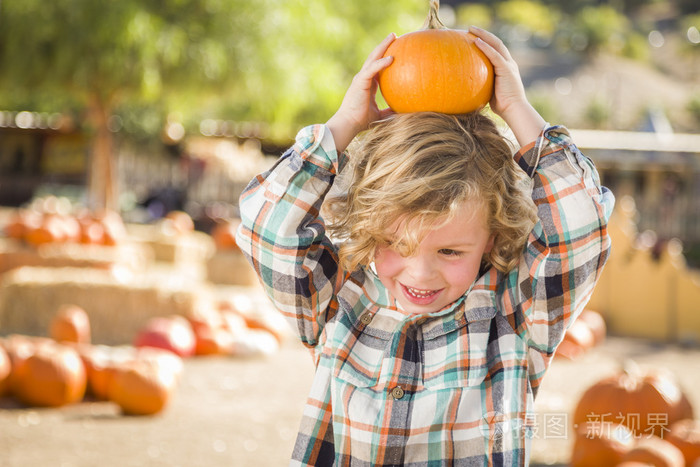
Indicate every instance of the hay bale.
{"type": "Point", "coordinates": [15, 254]}
{"type": "Point", "coordinates": [118, 302]}
{"type": "Point", "coordinates": [170, 247]}
{"type": "Point", "coordinates": [230, 267]}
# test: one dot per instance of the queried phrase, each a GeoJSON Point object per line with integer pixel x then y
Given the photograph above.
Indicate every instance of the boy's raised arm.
{"type": "Point", "coordinates": [359, 107]}
{"type": "Point", "coordinates": [509, 100]}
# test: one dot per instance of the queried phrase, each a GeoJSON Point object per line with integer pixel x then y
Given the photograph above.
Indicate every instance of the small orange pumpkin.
{"type": "Point", "coordinates": [599, 444]}
{"type": "Point", "coordinates": [52, 376]}
{"type": "Point", "coordinates": [596, 323]}
{"type": "Point", "coordinates": [142, 388]}
{"type": "Point", "coordinates": [655, 451]}
{"type": "Point", "coordinates": [436, 69]}
{"type": "Point", "coordinates": [685, 435]}
{"type": "Point", "coordinates": [577, 340]}
{"type": "Point", "coordinates": [646, 401]}
{"type": "Point", "coordinates": [19, 348]}
{"type": "Point", "coordinates": [181, 222]}
{"type": "Point", "coordinates": [5, 368]}
{"type": "Point", "coordinates": [224, 235]}
{"type": "Point", "coordinates": [70, 324]}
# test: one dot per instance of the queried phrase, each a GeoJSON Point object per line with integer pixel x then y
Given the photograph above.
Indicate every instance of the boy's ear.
{"type": "Point", "coordinates": [490, 243]}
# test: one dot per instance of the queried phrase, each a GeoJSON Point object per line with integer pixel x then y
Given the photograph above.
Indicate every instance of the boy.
{"type": "Point", "coordinates": [433, 321]}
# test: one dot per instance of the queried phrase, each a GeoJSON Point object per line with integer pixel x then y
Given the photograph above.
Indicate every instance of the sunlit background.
{"type": "Point", "coordinates": [145, 108]}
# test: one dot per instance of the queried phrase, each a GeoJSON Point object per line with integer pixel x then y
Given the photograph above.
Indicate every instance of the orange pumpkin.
{"type": "Point", "coordinates": [685, 435]}
{"type": "Point", "coordinates": [600, 444]}
{"type": "Point", "coordinates": [577, 340]}
{"type": "Point", "coordinates": [646, 401]}
{"type": "Point", "coordinates": [52, 376]}
{"type": "Point", "coordinates": [70, 324]}
{"type": "Point", "coordinates": [655, 451]}
{"type": "Point", "coordinates": [5, 368]}
{"type": "Point", "coordinates": [17, 225]}
{"type": "Point", "coordinates": [209, 331]}
{"type": "Point", "coordinates": [100, 364]}
{"type": "Point", "coordinates": [143, 388]}
{"type": "Point", "coordinates": [50, 230]}
{"type": "Point", "coordinates": [596, 323]}
{"type": "Point", "coordinates": [19, 348]}
{"type": "Point", "coordinates": [224, 235]}
{"type": "Point", "coordinates": [436, 69]}
{"type": "Point", "coordinates": [181, 222]}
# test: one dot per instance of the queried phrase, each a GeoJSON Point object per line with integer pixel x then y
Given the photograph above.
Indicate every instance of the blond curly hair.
{"type": "Point", "coordinates": [417, 169]}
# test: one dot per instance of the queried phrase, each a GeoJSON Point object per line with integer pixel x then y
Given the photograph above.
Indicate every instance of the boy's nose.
{"type": "Point", "coordinates": [421, 268]}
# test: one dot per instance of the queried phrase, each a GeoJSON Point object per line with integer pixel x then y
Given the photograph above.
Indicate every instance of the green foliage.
{"type": "Point", "coordinates": [636, 47]}
{"type": "Point", "coordinates": [533, 16]}
{"type": "Point", "coordinates": [597, 113]}
{"type": "Point", "coordinates": [473, 14]}
{"type": "Point", "coordinates": [285, 62]}
{"type": "Point", "coordinates": [545, 105]}
{"type": "Point", "coordinates": [690, 31]}
{"type": "Point", "coordinates": [602, 28]}
{"type": "Point", "coordinates": [694, 108]}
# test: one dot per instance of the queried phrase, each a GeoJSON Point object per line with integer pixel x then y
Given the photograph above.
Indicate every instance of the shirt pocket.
{"type": "Point", "coordinates": [457, 359]}
{"type": "Point", "coordinates": [360, 363]}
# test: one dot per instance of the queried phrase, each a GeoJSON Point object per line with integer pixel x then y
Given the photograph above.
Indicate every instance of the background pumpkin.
{"type": "Point", "coordinates": [70, 324]}
{"type": "Point", "coordinates": [685, 435]}
{"type": "Point", "coordinates": [142, 388]}
{"type": "Point", "coordinates": [436, 69]}
{"type": "Point", "coordinates": [655, 451]}
{"type": "Point", "coordinates": [600, 444]}
{"type": "Point", "coordinates": [646, 401]}
{"type": "Point", "coordinates": [52, 376]}
{"type": "Point", "coordinates": [5, 368]}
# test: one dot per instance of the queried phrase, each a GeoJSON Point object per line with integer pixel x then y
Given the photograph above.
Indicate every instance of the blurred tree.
{"type": "Point", "coordinates": [600, 28]}
{"type": "Point", "coordinates": [270, 60]}
{"type": "Point", "coordinates": [102, 54]}
{"type": "Point", "coordinates": [474, 14]}
{"type": "Point", "coordinates": [534, 17]}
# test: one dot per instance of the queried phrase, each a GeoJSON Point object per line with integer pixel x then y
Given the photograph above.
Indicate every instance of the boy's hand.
{"type": "Point", "coordinates": [359, 107]}
{"type": "Point", "coordinates": [509, 100]}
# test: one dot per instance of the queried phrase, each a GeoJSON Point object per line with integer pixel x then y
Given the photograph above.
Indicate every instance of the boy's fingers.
{"type": "Point", "coordinates": [492, 40]}
{"type": "Point", "coordinates": [370, 70]}
{"type": "Point", "coordinates": [379, 50]}
{"type": "Point", "coordinates": [496, 58]}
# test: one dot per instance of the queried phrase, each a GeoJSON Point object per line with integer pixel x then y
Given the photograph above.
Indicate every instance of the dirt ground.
{"type": "Point", "coordinates": [245, 412]}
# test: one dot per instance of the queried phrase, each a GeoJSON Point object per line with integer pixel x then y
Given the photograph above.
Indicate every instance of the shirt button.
{"type": "Point", "coordinates": [397, 392]}
{"type": "Point", "coordinates": [366, 318]}
{"type": "Point", "coordinates": [459, 314]}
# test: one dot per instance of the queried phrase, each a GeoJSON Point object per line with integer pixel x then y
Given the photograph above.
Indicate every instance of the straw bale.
{"type": "Point", "coordinates": [14, 254]}
{"type": "Point", "coordinates": [118, 302]}
{"type": "Point", "coordinates": [230, 267]}
{"type": "Point", "coordinates": [189, 248]}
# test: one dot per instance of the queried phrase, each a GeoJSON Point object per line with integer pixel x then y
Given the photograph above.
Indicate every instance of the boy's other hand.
{"type": "Point", "coordinates": [359, 107]}
{"type": "Point", "coordinates": [509, 100]}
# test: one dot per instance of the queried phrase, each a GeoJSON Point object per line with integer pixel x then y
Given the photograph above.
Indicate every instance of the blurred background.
{"type": "Point", "coordinates": [148, 117]}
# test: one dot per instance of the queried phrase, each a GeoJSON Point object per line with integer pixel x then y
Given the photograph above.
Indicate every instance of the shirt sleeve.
{"type": "Point", "coordinates": [284, 237]}
{"type": "Point", "coordinates": [566, 250]}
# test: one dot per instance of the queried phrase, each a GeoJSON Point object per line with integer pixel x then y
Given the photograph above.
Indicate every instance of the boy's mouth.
{"type": "Point", "coordinates": [419, 296]}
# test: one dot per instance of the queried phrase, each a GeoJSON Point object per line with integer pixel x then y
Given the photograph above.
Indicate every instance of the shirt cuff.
{"type": "Point", "coordinates": [316, 145]}
{"type": "Point", "coordinates": [528, 157]}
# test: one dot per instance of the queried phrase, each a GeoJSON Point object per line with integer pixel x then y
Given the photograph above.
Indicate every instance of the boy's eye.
{"type": "Point", "coordinates": [450, 252]}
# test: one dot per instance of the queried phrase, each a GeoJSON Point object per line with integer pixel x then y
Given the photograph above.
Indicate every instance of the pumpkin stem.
{"type": "Point", "coordinates": [433, 21]}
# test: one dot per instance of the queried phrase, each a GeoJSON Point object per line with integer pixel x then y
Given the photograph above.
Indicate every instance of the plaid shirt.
{"type": "Point", "coordinates": [456, 386]}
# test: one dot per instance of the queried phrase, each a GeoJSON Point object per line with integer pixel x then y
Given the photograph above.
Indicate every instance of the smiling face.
{"type": "Point", "coordinates": [443, 266]}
